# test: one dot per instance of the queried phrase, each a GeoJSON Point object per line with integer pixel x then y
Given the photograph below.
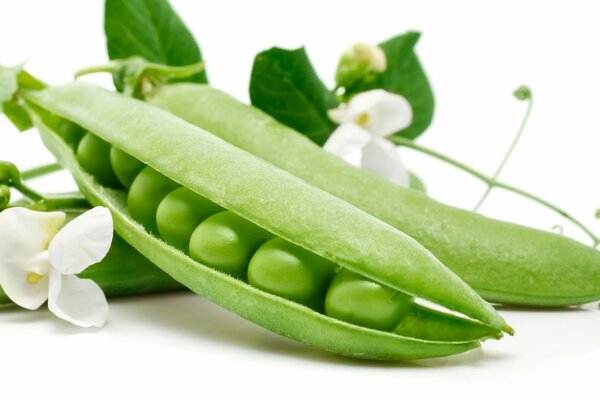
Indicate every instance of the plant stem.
{"type": "Point", "coordinates": [27, 191]}
{"type": "Point", "coordinates": [492, 182]}
{"type": "Point", "coordinates": [508, 154]}
{"type": "Point", "coordinates": [108, 67]}
{"type": "Point", "coordinates": [40, 171]}
{"type": "Point", "coordinates": [65, 201]}
{"type": "Point", "coordinates": [61, 202]}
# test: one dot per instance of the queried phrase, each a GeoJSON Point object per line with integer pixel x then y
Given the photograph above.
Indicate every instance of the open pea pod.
{"type": "Point", "coordinates": [272, 199]}
{"type": "Point", "coordinates": [504, 262]}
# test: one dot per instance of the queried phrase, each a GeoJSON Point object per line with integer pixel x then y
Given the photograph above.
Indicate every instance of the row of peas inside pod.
{"type": "Point", "coordinates": [224, 241]}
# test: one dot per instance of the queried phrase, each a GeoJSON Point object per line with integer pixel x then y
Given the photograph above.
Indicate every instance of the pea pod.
{"type": "Point", "coordinates": [504, 262]}
{"type": "Point", "coordinates": [260, 193]}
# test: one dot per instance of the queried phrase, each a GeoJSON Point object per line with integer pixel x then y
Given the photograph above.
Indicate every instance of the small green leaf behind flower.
{"type": "Point", "coordinates": [405, 76]}
{"type": "Point", "coordinates": [285, 85]}
{"type": "Point", "coordinates": [8, 83]}
{"type": "Point", "coordinates": [13, 79]}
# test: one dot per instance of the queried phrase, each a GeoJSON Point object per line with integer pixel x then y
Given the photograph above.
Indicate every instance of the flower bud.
{"type": "Point", "coordinates": [9, 172]}
{"type": "Point", "coordinates": [360, 63]}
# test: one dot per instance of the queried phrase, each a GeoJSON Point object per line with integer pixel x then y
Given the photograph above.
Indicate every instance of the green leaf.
{"type": "Point", "coordinates": [150, 29]}
{"type": "Point", "coordinates": [285, 85]}
{"type": "Point", "coordinates": [12, 79]}
{"type": "Point", "coordinates": [8, 83]}
{"type": "Point", "coordinates": [17, 115]}
{"type": "Point", "coordinates": [405, 76]}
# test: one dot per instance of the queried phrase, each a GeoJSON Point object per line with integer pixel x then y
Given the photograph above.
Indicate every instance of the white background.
{"type": "Point", "coordinates": [475, 54]}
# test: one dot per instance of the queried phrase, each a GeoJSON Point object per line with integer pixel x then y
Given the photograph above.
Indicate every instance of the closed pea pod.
{"type": "Point", "coordinates": [491, 255]}
{"type": "Point", "coordinates": [274, 200]}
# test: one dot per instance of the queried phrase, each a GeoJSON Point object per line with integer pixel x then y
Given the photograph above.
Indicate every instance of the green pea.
{"type": "Point", "coordinates": [93, 154]}
{"type": "Point", "coordinates": [179, 213]}
{"type": "Point", "coordinates": [226, 241]}
{"type": "Point", "coordinates": [70, 132]}
{"type": "Point", "coordinates": [126, 167]}
{"type": "Point", "coordinates": [147, 191]}
{"type": "Point", "coordinates": [289, 271]}
{"type": "Point", "coordinates": [360, 301]}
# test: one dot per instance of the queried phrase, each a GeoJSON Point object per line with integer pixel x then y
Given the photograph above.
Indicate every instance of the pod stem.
{"type": "Point", "coordinates": [109, 67]}
{"type": "Point", "coordinates": [27, 191]}
{"type": "Point", "coordinates": [138, 76]}
{"type": "Point", "coordinates": [492, 182]}
{"type": "Point", "coordinates": [11, 177]}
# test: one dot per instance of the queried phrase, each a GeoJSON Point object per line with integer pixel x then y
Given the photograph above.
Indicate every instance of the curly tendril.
{"type": "Point", "coordinates": [523, 93]}
{"type": "Point", "coordinates": [400, 141]}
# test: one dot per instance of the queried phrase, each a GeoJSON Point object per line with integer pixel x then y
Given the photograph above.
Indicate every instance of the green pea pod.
{"type": "Point", "coordinates": [504, 262]}
{"type": "Point", "coordinates": [260, 193]}
{"type": "Point", "coordinates": [124, 271]}
{"type": "Point", "coordinates": [429, 324]}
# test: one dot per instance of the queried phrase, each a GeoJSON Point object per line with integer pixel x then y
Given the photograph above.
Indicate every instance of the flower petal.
{"type": "Point", "coordinates": [347, 142]}
{"type": "Point", "coordinates": [24, 234]}
{"type": "Point", "coordinates": [381, 156]}
{"type": "Point", "coordinates": [340, 114]}
{"type": "Point", "coordinates": [386, 113]}
{"type": "Point", "coordinates": [79, 301]}
{"type": "Point", "coordinates": [82, 242]}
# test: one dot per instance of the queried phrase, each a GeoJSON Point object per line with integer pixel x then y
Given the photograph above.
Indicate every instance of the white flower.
{"type": "Point", "coordinates": [365, 123]}
{"type": "Point", "coordinates": [39, 261]}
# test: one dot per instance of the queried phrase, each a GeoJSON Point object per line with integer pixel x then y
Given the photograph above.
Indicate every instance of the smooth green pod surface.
{"type": "Point", "coordinates": [267, 196]}
{"type": "Point", "coordinates": [429, 324]}
{"type": "Point", "coordinates": [277, 314]}
{"type": "Point", "coordinates": [506, 263]}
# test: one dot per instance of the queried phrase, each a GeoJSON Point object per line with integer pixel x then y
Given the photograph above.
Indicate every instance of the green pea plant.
{"type": "Point", "coordinates": [259, 208]}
